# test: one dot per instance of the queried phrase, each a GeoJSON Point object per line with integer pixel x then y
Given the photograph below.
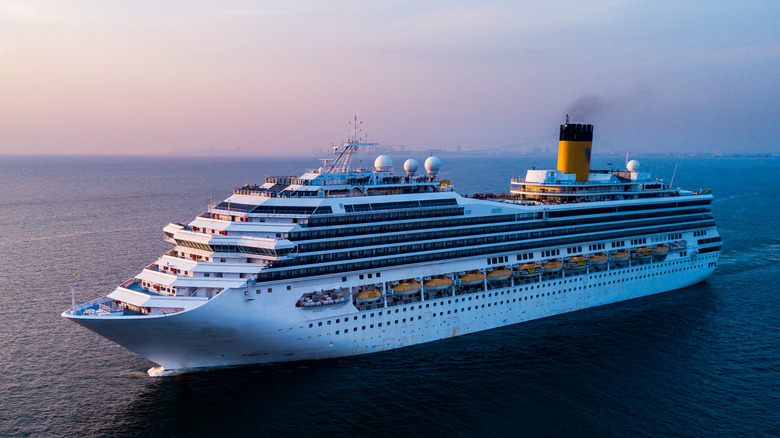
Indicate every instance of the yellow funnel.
{"type": "Point", "coordinates": [574, 145]}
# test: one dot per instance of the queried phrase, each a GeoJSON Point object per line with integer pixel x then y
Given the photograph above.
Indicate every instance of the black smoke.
{"type": "Point", "coordinates": [585, 108]}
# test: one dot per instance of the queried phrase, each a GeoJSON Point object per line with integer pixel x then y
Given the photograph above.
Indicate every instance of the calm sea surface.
{"type": "Point", "coordinates": [702, 361]}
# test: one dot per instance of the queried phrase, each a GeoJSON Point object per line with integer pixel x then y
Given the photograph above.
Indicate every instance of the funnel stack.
{"type": "Point", "coordinates": [574, 147]}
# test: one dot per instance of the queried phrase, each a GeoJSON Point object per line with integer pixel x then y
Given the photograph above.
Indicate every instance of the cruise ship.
{"type": "Point", "coordinates": [341, 261]}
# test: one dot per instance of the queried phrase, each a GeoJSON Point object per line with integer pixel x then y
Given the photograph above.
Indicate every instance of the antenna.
{"type": "Point", "coordinates": [356, 124]}
{"type": "Point", "coordinates": [673, 174]}
{"type": "Point", "coordinates": [567, 119]}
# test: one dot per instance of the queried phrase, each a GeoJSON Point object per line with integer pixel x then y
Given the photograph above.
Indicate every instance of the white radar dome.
{"type": "Point", "coordinates": [432, 165]}
{"type": "Point", "coordinates": [633, 166]}
{"type": "Point", "coordinates": [383, 163]}
{"type": "Point", "coordinates": [411, 166]}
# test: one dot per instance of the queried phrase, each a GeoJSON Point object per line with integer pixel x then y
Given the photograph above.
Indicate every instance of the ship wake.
{"type": "Point", "coordinates": [161, 372]}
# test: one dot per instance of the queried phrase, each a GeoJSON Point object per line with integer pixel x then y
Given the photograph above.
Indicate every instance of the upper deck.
{"type": "Point", "coordinates": [556, 187]}
{"type": "Point", "coordinates": [336, 178]}
{"type": "Point", "coordinates": [574, 181]}
{"type": "Point", "coordinates": [357, 183]}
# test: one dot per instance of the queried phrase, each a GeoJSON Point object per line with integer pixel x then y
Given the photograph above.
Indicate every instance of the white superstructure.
{"type": "Point", "coordinates": [340, 262]}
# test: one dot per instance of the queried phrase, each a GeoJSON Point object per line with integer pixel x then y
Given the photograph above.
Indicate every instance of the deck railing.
{"type": "Point", "coordinates": [103, 303]}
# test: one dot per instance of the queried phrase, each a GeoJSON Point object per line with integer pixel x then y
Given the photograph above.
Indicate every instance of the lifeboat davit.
{"type": "Point", "coordinates": [599, 260]}
{"type": "Point", "coordinates": [499, 274]}
{"type": "Point", "coordinates": [642, 252]}
{"type": "Point", "coordinates": [553, 265]}
{"type": "Point", "coordinates": [621, 257]}
{"type": "Point", "coordinates": [369, 296]}
{"type": "Point", "coordinates": [660, 252]}
{"type": "Point", "coordinates": [407, 287]}
{"type": "Point", "coordinates": [472, 278]}
{"type": "Point", "coordinates": [529, 269]}
{"type": "Point", "coordinates": [437, 283]}
{"type": "Point", "coordinates": [577, 263]}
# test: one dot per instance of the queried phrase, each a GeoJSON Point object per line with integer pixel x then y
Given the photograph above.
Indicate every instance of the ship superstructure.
{"type": "Point", "coordinates": [340, 262]}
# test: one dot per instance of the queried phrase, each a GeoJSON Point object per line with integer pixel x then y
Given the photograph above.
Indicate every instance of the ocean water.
{"type": "Point", "coordinates": [698, 362]}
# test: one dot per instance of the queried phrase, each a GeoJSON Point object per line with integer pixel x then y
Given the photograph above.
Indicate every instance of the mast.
{"type": "Point", "coordinates": [343, 163]}
{"type": "Point", "coordinates": [355, 130]}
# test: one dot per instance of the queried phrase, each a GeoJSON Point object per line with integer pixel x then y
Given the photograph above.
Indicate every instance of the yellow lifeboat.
{"type": "Point", "coordinates": [407, 287]}
{"type": "Point", "coordinates": [472, 278]}
{"type": "Point", "coordinates": [368, 296]}
{"type": "Point", "coordinates": [499, 274]}
{"type": "Point", "coordinates": [599, 260]}
{"type": "Point", "coordinates": [660, 252]}
{"type": "Point", "coordinates": [437, 284]}
{"type": "Point", "coordinates": [529, 269]}
{"type": "Point", "coordinates": [621, 257]}
{"type": "Point", "coordinates": [642, 252]}
{"type": "Point", "coordinates": [577, 262]}
{"type": "Point", "coordinates": [553, 265]}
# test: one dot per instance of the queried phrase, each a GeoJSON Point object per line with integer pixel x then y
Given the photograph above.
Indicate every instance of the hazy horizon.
{"type": "Point", "coordinates": [196, 78]}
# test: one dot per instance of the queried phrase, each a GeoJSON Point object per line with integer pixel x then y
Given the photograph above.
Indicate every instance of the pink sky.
{"type": "Point", "coordinates": [91, 77]}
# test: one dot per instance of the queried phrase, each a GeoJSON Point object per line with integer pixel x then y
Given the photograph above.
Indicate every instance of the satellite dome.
{"type": "Point", "coordinates": [410, 166]}
{"type": "Point", "coordinates": [383, 163]}
{"type": "Point", "coordinates": [432, 165]}
{"type": "Point", "coordinates": [633, 166]}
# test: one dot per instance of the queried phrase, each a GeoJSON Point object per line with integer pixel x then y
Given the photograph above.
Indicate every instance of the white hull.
{"type": "Point", "coordinates": [232, 330]}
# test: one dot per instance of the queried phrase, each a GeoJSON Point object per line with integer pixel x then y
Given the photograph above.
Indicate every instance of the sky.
{"type": "Point", "coordinates": [285, 77]}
